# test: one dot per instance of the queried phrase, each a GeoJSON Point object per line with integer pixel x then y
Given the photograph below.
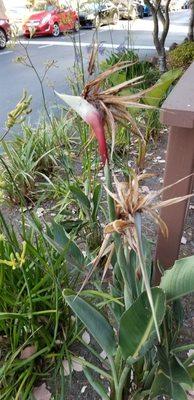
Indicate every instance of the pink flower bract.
{"type": "Point", "coordinates": [92, 117]}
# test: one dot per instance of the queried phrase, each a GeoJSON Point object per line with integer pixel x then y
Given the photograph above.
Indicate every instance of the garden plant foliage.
{"type": "Point", "coordinates": [87, 264]}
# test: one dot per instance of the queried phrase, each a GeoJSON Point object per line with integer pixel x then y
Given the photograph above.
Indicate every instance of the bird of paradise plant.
{"type": "Point", "coordinates": [101, 109]}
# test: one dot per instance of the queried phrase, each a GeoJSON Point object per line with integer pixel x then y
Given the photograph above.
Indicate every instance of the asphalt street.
{"type": "Point", "coordinates": [15, 77]}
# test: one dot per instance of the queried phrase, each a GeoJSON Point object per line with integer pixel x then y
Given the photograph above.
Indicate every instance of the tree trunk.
{"type": "Point", "coordinates": [191, 23]}
{"type": "Point", "coordinates": [160, 38]}
{"type": "Point", "coordinates": [162, 61]}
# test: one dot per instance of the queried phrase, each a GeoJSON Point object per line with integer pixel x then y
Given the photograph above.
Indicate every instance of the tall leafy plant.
{"type": "Point", "coordinates": [136, 353]}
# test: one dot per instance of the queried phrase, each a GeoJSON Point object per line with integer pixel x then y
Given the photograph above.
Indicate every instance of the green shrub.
{"type": "Point", "coordinates": [32, 158]}
{"type": "Point", "coordinates": [146, 68]}
{"type": "Point", "coordinates": [182, 56]}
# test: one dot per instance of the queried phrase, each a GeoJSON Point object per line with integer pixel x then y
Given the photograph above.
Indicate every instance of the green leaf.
{"type": "Point", "coordinates": [142, 264]}
{"type": "Point", "coordinates": [105, 296]}
{"type": "Point", "coordinates": [163, 386]}
{"type": "Point", "coordinates": [63, 242]}
{"type": "Point", "coordinates": [97, 386]}
{"type": "Point", "coordinates": [191, 372]}
{"type": "Point", "coordinates": [80, 196]}
{"type": "Point", "coordinates": [137, 323]}
{"type": "Point", "coordinates": [73, 225]}
{"type": "Point", "coordinates": [94, 321]}
{"type": "Point", "coordinates": [96, 201]}
{"type": "Point", "coordinates": [173, 368]}
{"type": "Point", "coordinates": [156, 95]}
{"type": "Point", "coordinates": [140, 395]}
{"type": "Point", "coordinates": [185, 347]}
{"type": "Point", "coordinates": [179, 280]}
{"type": "Point", "coordinates": [7, 315]}
{"type": "Point", "coordinates": [147, 382]}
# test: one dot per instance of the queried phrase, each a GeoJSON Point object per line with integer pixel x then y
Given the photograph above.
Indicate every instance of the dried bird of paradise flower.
{"type": "Point", "coordinates": [103, 108]}
{"type": "Point", "coordinates": [130, 203]}
{"type": "Point", "coordinates": [130, 200]}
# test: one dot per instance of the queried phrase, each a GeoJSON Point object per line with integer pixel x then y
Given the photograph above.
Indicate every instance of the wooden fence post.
{"type": "Point", "coordinates": [178, 113]}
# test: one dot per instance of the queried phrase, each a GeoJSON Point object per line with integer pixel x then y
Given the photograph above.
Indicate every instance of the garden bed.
{"type": "Point", "coordinates": [155, 163]}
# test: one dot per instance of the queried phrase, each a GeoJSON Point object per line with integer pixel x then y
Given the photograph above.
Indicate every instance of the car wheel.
{"type": "Point", "coordinates": [76, 26]}
{"type": "Point", "coordinates": [56, 30]}
{"type": "Point", "coordinates": [3, 39]}
{"type": "Point", "coordinates": [115, 18]}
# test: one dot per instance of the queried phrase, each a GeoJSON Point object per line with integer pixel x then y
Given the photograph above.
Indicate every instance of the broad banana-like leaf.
{"type": "Point", "coordinates": [94, 321]}
{"type": "Point", "coordinates": [80, 196]}
{"type": "Point", "coordinates": [162, 385]}
{"type": "Point", "coordinates": [62, 242]}
{"type": "Point", "coordinates": [137, 324]}
{"type": "Point", "coordinates": [179, 280]}
{"type": "Point", "coordinates": [156, 95]}
{"type": "Point", "coordinates": [172, 367]}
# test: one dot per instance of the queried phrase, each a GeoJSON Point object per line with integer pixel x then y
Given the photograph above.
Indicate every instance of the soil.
{"type": "Point", "coordinates": [155, 163]}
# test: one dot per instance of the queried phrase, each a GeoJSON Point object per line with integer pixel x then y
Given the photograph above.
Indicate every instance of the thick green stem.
{"type": "Point", "coordinates": [122, 382]}
{"type": "Point", "coordinates": [117, 239]}
{"type": "Point", "coordinates": [114, 374]}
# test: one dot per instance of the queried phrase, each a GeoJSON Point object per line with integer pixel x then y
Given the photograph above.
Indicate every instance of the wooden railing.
{"type": "Point", "coordinates": [177, 113]}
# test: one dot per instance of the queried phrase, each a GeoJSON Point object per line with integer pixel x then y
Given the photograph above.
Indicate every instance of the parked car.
{"type": "Point", "coordinates": [96, 14]}
{"type": "Point", "coordinates": [186, 4]}
{"type": "Point", "coordinates": [48, 19]}
{"type": "Point", "coordinates": [176, 5]}
{"type": "Point", "coordinates": [5, 32]}
{"type": "Point", "coordinates": [130, 11]}
{"type": "Point", "coordinates": [146, 9]}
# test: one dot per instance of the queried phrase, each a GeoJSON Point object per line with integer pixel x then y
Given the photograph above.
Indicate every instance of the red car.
{"type": "Point", "coordinates": [49, 20]}
{"type": "Point", "coordinates": [5, 32]}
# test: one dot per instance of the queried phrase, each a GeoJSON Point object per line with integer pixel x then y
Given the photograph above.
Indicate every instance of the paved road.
{"type": "Point", "coordinates": [15, 76]}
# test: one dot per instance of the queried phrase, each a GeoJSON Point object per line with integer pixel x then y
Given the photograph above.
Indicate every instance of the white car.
{"type": "Point", "coordinates": [16, 12]}
{"type": "Point", "coordinates": [176, 5]}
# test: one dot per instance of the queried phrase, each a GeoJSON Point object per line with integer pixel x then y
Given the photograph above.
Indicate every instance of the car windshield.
{"type": "Point", "coordinates": [43, 7]}
{"type": "Point", "coordinates": [89, 7]}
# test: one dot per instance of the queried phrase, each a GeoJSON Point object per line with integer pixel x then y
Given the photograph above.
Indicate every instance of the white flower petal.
{"type": "Point", "coordinates": [78, 104]}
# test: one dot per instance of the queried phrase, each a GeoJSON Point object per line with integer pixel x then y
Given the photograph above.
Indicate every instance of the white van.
{"type": "Point", "coordinates": [16, 11]}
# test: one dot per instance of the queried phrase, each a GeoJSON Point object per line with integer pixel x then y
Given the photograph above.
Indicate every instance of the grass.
{"type": "Point", "coordinates": [32, 276]}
